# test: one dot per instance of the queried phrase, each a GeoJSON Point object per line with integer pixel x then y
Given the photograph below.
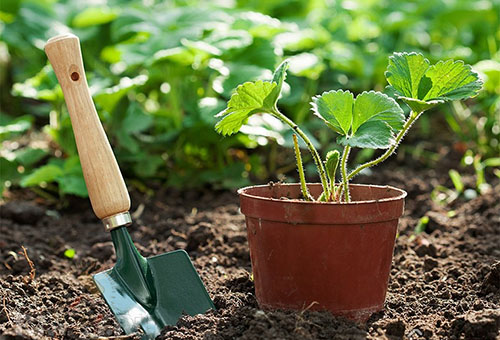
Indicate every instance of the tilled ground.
{"type": "Point", "coordinates": [445, 282]}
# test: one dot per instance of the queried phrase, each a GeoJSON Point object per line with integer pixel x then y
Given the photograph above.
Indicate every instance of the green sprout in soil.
{"type": "Point", "coordinates": [70, 253]}
{"type": "Point", "coordinates": [370, 120]}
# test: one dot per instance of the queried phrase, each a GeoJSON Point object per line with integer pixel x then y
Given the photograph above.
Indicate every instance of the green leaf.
{"type": "Point", "coordinates": [126, 141]}
{"type": "Point", "coordinates": [238, 74]}
{"type": "Point", "coordinates": [278, 77]}
{"type": "Point", "coordinates": [258, 25]}
{"type": "Point", "coordinates": [95, 16]}
{"type": "Point", "coordinates": [331, 164]}
{"type": "Point", "coordinates": [69, 253]}
{"type": "Point", "coordinates": [10, 7]}
{"type": "Point", "coordinates": [44, 174]}
{"type": "Point", "coordinates": [494, 161]}
{"type": "Point", "coordinates": [8, 172]}
{"type": "Point", "coordinates": [29, 156]}
{"type": "Point", "coordinates": [8, 169]}
{"type": "Point", "coordinates": [362, 28]}
{"type": "Point", "coordinates": [200, 49]}
{"type": "Point", "coordinates": [457, 180]}
{"type": "Point", "coordinates": [230, 177]}
{"type": "Point", "coordinates": [248, 99]}
{"type": "Point", "coordinates": [369, 121]}
{"type": "Point", "coordinates": [229, 40]}
{"type": "Point", "coordinates": [335, 108]}
{"type": "Point", "coordinates": [74, 185]}
{"type": "Point", "coordinates": [147, 165]}
{"type": "Point", "coordinates": [111, 54]}
{"type": "Point", "coordinates": [108, 98]}
{"type": "Point", "coordinates": [63, 135]}
{"type": "Point", "coordinates": [207, 108]}
{"type": "Point", "coordinates": [405, 71]}
{"type": "Point", "coordinates": [490, 73]}
{"type": "Point", "coordinates": [70, 165]}
{"type": "Point", "coordinates": [180, 55]}
{"type": "Point", "coordinates": [306, 65]}
{"type": "Point", "coordinates": [370, 106]}
{"type": "Point", "coordinates": [262, 53]}
{"type": "Point", "coordinates": [303, 39]}
{"type": "Point", "coordinates": [15, 126]}
{"type": "Point", "coordinates": [422, 223]}
{"type": "Point", "coordinates": [42, 86]}
{"type": "Point", "coordinates": [452, 81]}
{"type": "Point", "coordinates": [136, 120]}
{"type": "Point", "coordinates": [423, 86]}
{"type": "Point", "coordinates": [373, 134]}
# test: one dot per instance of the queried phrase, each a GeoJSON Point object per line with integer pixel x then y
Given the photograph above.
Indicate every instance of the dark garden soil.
{"type": "Point", "coordinates": [445, 283]}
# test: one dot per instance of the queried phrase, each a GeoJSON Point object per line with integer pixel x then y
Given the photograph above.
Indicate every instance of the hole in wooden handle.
{"type": "Point", "coordinates": [75, 76]}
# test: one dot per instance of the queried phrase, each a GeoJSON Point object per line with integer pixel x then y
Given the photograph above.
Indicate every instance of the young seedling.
{"type": "Point", "coordinates": [332, 163]}
{"type": "Point", "coordinates": [369, 120]}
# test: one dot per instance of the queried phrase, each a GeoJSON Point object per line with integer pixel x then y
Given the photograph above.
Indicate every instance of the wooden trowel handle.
{"type": "Point", "coordinates": [107, 191]}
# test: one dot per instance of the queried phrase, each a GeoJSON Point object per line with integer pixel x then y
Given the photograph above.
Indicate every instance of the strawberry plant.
{"type": "Point", "coordinates": [369, 120]}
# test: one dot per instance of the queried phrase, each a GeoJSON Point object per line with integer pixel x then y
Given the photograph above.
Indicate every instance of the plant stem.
{"type": "Point", "coordinates": [345, 180]}
{"type": "Point", "coordinates": [310, 146]}
{"type": "Point", "coordinates": [300, 167]}
{"type": "Point", "coordinates": [338, 192]}
{"type": "Point", "coordinates": [332, 189]}
{"type": "Point", "coordinates": [411, 119]}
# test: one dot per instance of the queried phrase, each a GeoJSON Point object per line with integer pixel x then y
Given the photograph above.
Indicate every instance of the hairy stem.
{"type": "Point", "coordinates": [409, 122]}
{"type": "Point", "coordinates": [310, 146]}
{"type": "Point", "coordinates": [338, 192]}
{"type": "Point", "coordinates": [332, 189]}
{"type": "Point", "coordinates": [300, 167]}
{"type": "Point", "coordinates": [343, 168]}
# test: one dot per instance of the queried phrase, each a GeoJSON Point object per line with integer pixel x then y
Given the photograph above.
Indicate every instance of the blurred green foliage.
{"type": "Point", "coordinates": [160, 70]}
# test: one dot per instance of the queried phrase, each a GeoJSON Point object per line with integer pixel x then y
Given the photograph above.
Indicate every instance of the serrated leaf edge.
{"type": "Point", "coordinates": [314, 108]}
{"type": "Point", "coordinates": [436, 100]}
{"type": "Point", "coordinates": [229, 110]}
{"type": "Point", "coordinates": [400, 54]}
{"type": "Point", "coordinates": [469, 68]}
{"type": "Point", "coordinates": [344, 140]}
{"type": "Point", "coordinates": [383, 95]}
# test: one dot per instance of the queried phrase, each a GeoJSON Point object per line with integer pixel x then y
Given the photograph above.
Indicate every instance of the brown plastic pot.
{"type": "Point", "coordinates": [322, 256]}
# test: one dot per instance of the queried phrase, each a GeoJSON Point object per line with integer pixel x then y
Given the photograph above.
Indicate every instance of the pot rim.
{"type": "Point", "coordinates": [243, 192]}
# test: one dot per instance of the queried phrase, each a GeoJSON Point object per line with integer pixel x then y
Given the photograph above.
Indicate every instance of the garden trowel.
{"type": "Point", "coordinates": [145, 294]}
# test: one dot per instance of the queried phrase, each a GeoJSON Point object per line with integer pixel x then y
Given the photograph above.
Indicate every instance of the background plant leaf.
{"type": "Point", "coordinates": [8, 173]}
{"type": "Point", "coordinates": [92, 16]}
{"type": "Point", "coordinates": [73, 184]}
{"type": "Point", "coordinates": [29, 156]}
{"type": "Point", "coordinates": [44, 174]}
{"type": "Point", "coordinates": [10, 127]}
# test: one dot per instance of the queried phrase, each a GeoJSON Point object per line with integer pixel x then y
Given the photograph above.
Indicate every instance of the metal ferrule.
{"type": "Point", "coordinates": [118, 220]}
